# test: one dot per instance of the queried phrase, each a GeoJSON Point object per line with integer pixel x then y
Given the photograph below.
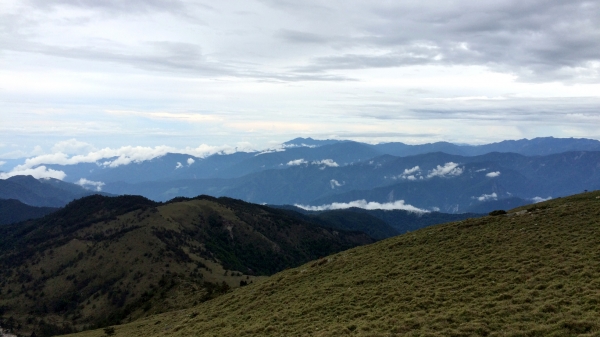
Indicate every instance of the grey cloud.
{"type": "Point", "coordinates": [537, 40]}
{"type": "Point", "coordinates": [295, 36]}
{"type": "Point", "coordinates": [519, 112]}
{"type": "Point", "coordinates": [185, 58]}
{"type": "Point", "coordinates": [346, 135]}
{"type": "Point", "coordinates": [411, 55]}
{"type": "Point", "coordinates": [115, 6]}
{"type": "Point", "coordinates": [164, 56]}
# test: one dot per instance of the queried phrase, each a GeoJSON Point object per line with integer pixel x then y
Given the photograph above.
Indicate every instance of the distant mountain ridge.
{"type": "Point", "coordinates": [41, 193]}
{"type": "Point", "coordinates": [174, 166]}
{"type": "Point", "coordinates": [317, 172]}
{"type": "Point", "coordinates": [309, 142]}
{"type": "Point", "coordinates": [433, 181]}
{"type": "Point", "coordinates": [529, 147]}
{"type": "Point", "coordinates": [13, 211]}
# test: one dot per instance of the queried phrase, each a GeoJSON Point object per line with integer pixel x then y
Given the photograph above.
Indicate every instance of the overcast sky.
{"type": "Point", "coordinates": [111, 73]}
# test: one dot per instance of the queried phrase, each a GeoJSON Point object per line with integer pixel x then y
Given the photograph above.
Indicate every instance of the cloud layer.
{"type": "Point", "coordinates": [109, 157]}
{"type": "Point", "coordinates": [40, 172]}
{"type": "Point", "coordinates": [449, 169]}
{"type": "Point", "coordinates": [107, 72]}
{"type": "Point", "coordinates": [97, 185]}
{"type": "Point", "coordinates": [396, 205]}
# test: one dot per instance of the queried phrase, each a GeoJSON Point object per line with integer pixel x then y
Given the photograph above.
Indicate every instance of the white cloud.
{"type": "Point", "coordinates": [2, 163]}
{"type": "Point", "coordinates": [125, 155]}
{"type": "Point", "coordinates": [481, 170]}
{"type": "Point", "coordinates": [486, 197]}
{"type": "Point", "coordinates": [493, 174]}
{"type": "Point", "coordinates": [297, 162]}
{"type": "Point", "coordinates": [448, 170]}
{"type": "Point", "coordinates": [178, 166]}
{"type": "Point", "coordinates": [288, 146]}
{"type": "Point", "coordinates": [410, 174]}
{"type": "Point", "coordinates": [38, 173]}
{"type": "Point", "coordinates": [396, 205]}
{"type": "Point", "coordinates": [72, 146]}
{"type": "Point", "coordinates": [270, 151]}
{"type": "Point", "coordinates": [411, 171]}
{"type": "Point", "coordinates": [326, 162]}
{"type": "Point", "coordinates": [334, 183]}
{"type": "Point", "coordinates": [540, 199]}
{"type": "Point", "coordinates": [84, 182]}
{"type": "Point", "coordinates": [190, 161]}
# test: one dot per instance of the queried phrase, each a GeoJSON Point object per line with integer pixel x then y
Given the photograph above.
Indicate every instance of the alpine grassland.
{"type": "Point", "coordinates": [534, 271]}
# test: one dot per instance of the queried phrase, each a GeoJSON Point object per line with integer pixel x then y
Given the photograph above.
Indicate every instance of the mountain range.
{"type": "Point", "coordinates": [180, 166]}
{"type": "Point", "coordinates": [13, 211]}
{"type": "Point", "coordinates": [318, 173]}
{"type": "Point", "coordinates": [41, 192]}
{"type": "Point", "coordinates": [430, 182]}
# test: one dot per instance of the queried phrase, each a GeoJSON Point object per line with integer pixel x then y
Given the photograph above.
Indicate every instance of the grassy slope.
{"type": "Point", "coordinates": [533, 272]}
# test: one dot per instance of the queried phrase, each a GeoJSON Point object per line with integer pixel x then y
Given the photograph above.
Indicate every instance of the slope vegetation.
{"type": "Point", "coordinates": [532, 272]}
{"type": "Point", "coordinates": [105, 260]}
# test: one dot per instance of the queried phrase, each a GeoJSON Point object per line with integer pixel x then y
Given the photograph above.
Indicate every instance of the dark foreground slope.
{"type": "Point", "coordinates": [533, 272]}
{"type": "Point", "coordinates": [105, 260]}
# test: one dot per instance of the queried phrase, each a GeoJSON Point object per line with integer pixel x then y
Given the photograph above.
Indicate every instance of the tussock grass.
{"type": "Point", "coordinates": [532, 272]}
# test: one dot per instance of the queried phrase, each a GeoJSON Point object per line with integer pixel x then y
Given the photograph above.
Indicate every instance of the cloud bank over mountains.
{"type": "Point", "coordinates": [324, 163]}
{"type": "Point", "coordinates": [448, 170]}
{"type": "Point", "coordinates": [40, 172]}
{"type": "Point", "coordinates": [75, 152]}
{"type": "Point", "coordinates": [396, 205]}
{"type": "Point", "coordinates": [97, 185]}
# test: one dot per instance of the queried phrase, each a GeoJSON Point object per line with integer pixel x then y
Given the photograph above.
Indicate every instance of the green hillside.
{"type": "Point", "coordinates": [106, 260]}
{"type": "Point", "coordinates": [532, 272]}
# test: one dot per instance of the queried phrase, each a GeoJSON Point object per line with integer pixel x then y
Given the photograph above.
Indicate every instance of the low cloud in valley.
{"type": "Point", "coordinates": [97, 185]}
{"type": "Point", "coordinates": [396, 205]}
{"type": "Point", "coordinates": [448, 170]}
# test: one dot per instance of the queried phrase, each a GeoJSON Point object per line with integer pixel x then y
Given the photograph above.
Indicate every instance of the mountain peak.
{"type": "Point", "coordinates": [309, 142]}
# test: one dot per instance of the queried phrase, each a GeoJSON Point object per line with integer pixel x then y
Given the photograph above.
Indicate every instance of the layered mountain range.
{"type": "Point", "coordinates": [328, 174]}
